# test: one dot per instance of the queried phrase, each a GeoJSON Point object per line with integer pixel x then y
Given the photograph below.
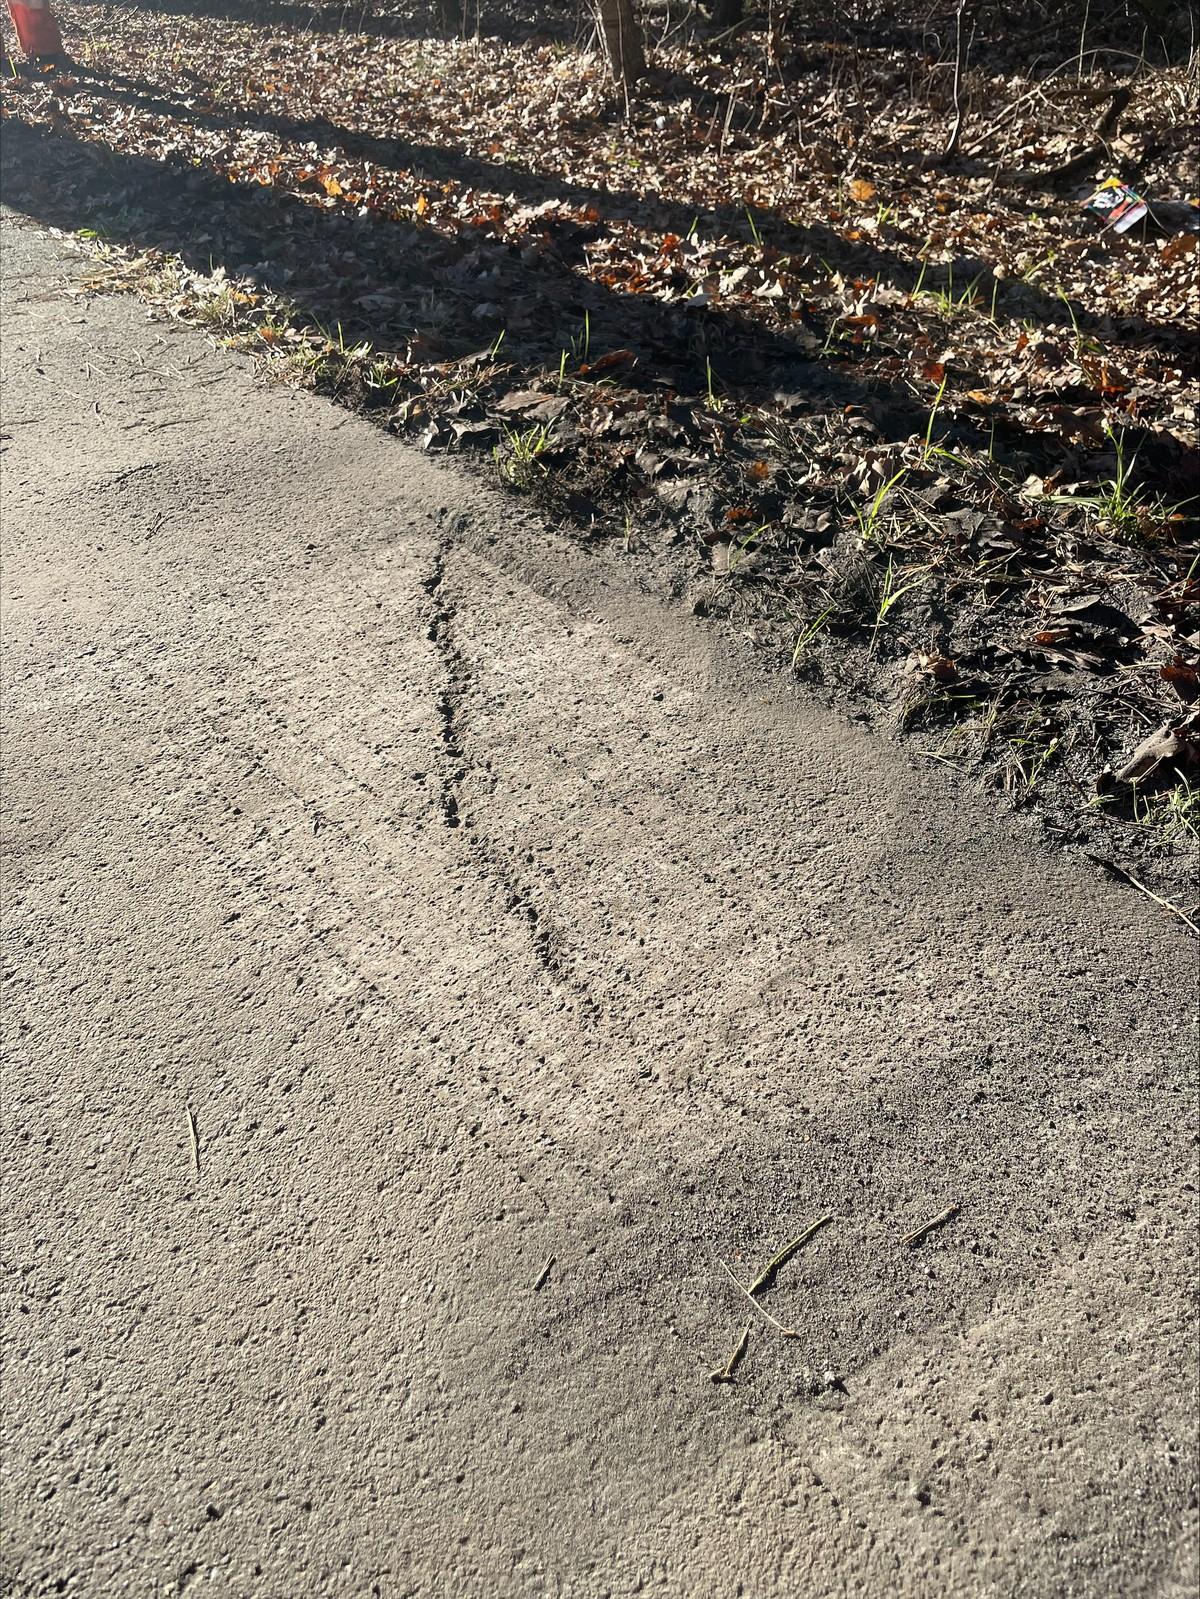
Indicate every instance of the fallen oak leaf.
{"type": "Point", "coordinates": [1184, 679]}
{"type": "Point", "coordinates": [1183, 244]}
{"type": "Point", "coordinates": [940, 667]}
{"type": "Point", "coordinates": [1170, 743]}
{"type": "Point", "coordinates": [605, 363]}
{"type": "Point", "coordinates": [1102, 377]}
{"type": "Point", "coordinates": [535, 403]}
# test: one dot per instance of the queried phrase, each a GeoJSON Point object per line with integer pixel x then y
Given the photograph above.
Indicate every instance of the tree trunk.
{"type": "Point", "coordinates": [622, 36]}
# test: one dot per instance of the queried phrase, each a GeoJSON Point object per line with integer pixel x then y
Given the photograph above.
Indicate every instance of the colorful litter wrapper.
{"type": "Point", "coordinates": [1117, 205]}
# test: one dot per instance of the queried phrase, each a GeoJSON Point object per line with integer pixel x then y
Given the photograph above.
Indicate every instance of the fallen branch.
{"type": "Point", "coordinates": [1085, 157]}
{"type": "Point", "coordinates": [744, 26]}
{"type": "Point", "coordinates": [1087, 92]}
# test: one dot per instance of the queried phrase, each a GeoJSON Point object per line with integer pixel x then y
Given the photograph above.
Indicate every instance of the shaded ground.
{"type": "Point", "coordinates": [523, 959]}
{"type": "Point", "coordinates": [922, 434]}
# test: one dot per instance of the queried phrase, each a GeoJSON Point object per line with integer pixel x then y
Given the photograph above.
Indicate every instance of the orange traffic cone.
{"type": "Point", "coordinates": [36, 28]}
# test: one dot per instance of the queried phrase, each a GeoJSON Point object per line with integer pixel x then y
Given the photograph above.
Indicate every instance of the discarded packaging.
{"type": "Point", "coordinates": [1117, 205]}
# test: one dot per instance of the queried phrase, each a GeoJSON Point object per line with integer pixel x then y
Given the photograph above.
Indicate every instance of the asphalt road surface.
{"type": "Point", "coordinates": [435, 968]}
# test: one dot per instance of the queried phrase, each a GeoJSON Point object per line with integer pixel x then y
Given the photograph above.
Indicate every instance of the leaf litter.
{"type": "Point", "coordinates": [922, 430]}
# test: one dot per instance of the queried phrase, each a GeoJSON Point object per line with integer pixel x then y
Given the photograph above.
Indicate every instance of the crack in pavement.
{"type": "Point", "coordinates": [520, 899]}
{"type": "Point", "coordinates": [830, 985]}
{"type": "Point", "coordinates": [450, 695]}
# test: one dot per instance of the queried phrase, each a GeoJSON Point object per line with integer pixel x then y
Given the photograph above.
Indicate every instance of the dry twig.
{"type": "Point", "coordinates": [1119, 871]}
{"type": "Point", "coordinates": [725, 1373]}
{"type": "Point", "coordinates": [194, 1138]}
{"type": "Point", "coordinates": [940, 1220]}
{"type": "Point", "coordinates": [767, 1274]}
{"type": "Point", "coordinates": [788, 1332]}
{"type": "Point", "coordinates": [960, 51]}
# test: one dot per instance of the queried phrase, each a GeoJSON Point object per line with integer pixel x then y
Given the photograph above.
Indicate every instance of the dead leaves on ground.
{"type": "Point", "coordinates": [740, 315]}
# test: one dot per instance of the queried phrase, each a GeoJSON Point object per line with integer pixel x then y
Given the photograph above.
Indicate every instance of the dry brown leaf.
{"type": "Point", "coordinates": [1178, 247]}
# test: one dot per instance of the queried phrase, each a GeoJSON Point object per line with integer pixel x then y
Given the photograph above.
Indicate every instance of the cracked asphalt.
{"type": "Point", "coordinates": [531, 968]}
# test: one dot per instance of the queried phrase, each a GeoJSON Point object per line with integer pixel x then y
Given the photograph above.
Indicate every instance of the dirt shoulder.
{"type": "Point", "coordinates": [923, 435]}
{"type": "Point", "coordinates": [434, 966]}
